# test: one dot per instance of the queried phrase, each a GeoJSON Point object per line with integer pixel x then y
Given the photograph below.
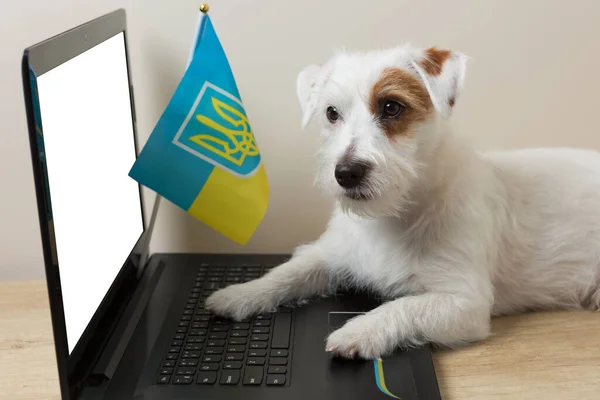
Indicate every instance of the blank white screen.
{"type": "Point", "coordinates": [89, 145]}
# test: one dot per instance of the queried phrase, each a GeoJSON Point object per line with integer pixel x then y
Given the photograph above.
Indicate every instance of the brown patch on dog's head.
{"type": "Point", "coordinates": [434, 60]}
{"type": "Point", "coordinates": [401, 86]}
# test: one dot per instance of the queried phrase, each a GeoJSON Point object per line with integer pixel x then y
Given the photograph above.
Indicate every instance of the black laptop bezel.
{"type": "Point", "coordinates": [40, 58]}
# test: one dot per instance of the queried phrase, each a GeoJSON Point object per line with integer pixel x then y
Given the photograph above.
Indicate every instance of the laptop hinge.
{"type": "Point", "coordinates": [120, 337]}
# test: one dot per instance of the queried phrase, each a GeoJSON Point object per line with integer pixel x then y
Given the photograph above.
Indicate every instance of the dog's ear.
{"type": "Point", "coordinates": [306, 88]}
{"type": "Point", "coordinates": [443, 73]}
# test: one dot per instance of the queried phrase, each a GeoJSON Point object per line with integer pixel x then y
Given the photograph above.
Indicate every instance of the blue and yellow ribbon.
{"type": "Point", "coordinates": [380, 379]}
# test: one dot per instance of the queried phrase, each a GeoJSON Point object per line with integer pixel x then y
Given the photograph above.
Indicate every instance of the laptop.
{"type": "Point", "coordinates": [128, 325]}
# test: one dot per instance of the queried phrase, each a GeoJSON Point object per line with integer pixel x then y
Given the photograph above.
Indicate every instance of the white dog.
{"type": "Point", "coordinates": [449, 235]}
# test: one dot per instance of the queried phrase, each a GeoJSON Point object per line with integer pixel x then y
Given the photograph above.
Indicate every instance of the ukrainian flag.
{"type": "Point", "coordinates": [202, 154]}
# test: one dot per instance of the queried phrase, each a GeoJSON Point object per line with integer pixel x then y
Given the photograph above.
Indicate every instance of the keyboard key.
{"type": "Point", "coordinates": [194, 340]}
{"type": "Point", "coordinates": [232, 365]}
{"type": "Point", "coordinates": [215, 342]}
{"type": "Point", "coordinates": [181, 330]}
{"type": "Point", "coordinates": [261, 329]}
{"type": "Point", "coordinates": [258, 345]}
{"type": "Point", "coordinates": [278, 361]}
{"type": "Point", "coordinates": [188, 362]}
{"type": "Point", "coordinates": [200, 325]}
{"type": "Point", "coordinates": [281, 331]}
{"type": "Point", "coordinates": [241, 326]}
{"type": "Point", "coordinates": [194, 295]}
{"type": "Point", "coordinates": [234, 273]}
{"type": "Point", "coordinates": [255, 361]}
{"type": "Point", "coordinates": [230, 377]}
{"type": "Point", "coordinates": [234, 356]}
{"type": "Point", "coordinates": [174, 349]}
{"type": "Point", "coordinates": [237, 340]}
{"type": "Point", "coordinates": [218, 335]}
{"type": "Point", "coordinates": [236, 269]}
{"type": "Point", "coordinates": [218, 268]}
{"type": "Point", "coordinates": [233, 279]}
{"type": "Point", "coordinates": [214, 279]}
{"type": "Point", "coordinates": [262, 322]}
{"type": "Point", "coordinates": [234, 348]}
{"type": "Point", "coordinates": [275, 380]}
{"type": "Point", "coordinates": [166, 371]}
{"type": "Point", "coordinates": [278, 369]}
{"type": "Point", "coordinates": [262, 317]}
{"type": "Point", "coordinates": [213, 350]}
{"type": "Point", "coordinates": [193, 347]}
{"type": "Point", "coordinates": [198, 332]}
{"type": "Point", "coordinates": [260, 338]}
{"type": "Point", "coordinates": [220, 321]}
{"type": "Point", "coordinates": [201, 317]}
{"type": "Point", "coordinates": [279, 353]}
{"type": "Point", "coordinates": [211, 285]}
{"type": "Point", "coordinates": [186, 371]}
{"type": "Point", "coordinates": [179, 337]}
{"type": "Point", "coordinates": [183, 380]}
{"type": "Point", "coordinates": [215, 273]}
{"type": "Point", "coordinates": [257, 353]}
{"type": "Point", "coordinates": [253, 376]}
{"type": "Point", "coordinates": [206, 378]}
{"type": "Point", "coordinates": [169, 364]}
{"type": "Point", "coordinates": [172, 356]}
{"type": "Point", "coordinates": [220, 328]}
{"type": "Point", "coordinates": [212, 359]}
{"type": "Point", "coordinates": [190, 354]}
{"type": "Point", "coordinates": [163, 379]}
{"type": "Point", "coordinates": [186, 317]}
{"type": "Point", "coordinates": [188, 312]}
{"type": "Point", "coordinates": [239, 333]}
{"type": "Point", "coordinates": [209, 367]}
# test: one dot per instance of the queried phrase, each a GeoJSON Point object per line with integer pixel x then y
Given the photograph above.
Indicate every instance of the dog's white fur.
{"type": "Point", "coordinates": [450, 236]}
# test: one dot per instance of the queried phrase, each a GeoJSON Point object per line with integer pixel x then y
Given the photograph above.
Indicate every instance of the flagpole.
{"type": "Point", "coordinates": [150, 228]}
{"type": "Point", "coordinates": [203, 13]}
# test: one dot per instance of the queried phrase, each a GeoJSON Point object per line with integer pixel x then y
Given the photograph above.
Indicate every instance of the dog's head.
{"type": "Point", "coordinates": [379, 112]}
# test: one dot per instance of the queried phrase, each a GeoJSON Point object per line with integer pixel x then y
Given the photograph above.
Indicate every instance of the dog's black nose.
{"type": "Point", "coordinates": [349, 175]}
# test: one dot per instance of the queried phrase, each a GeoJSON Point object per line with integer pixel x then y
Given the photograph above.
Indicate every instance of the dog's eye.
{"type": "Point", "coordinates": [392, 109]}
{"type": "Point", "coordinates": [332, 114]}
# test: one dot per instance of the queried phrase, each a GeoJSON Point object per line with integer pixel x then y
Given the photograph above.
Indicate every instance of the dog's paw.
{"type": "Point", "coordinates": [241, 301]}
{"type": "Point", "coordinates": [361, 337]}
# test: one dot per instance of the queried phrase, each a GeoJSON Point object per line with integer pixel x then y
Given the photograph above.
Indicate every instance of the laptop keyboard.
{"type": "Point", "coordinates": [207, 350]}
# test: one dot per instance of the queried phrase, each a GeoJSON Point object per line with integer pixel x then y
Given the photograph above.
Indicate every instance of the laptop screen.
{"type": "Point", "coordinates": [89, 149]}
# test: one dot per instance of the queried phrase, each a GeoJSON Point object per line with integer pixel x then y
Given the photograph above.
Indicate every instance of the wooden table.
{"type": "Point", "coordinates": [537, 356]}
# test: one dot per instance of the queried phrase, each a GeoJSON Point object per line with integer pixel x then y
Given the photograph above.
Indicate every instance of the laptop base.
{"type": "Point", "coordinates": [311, 372]}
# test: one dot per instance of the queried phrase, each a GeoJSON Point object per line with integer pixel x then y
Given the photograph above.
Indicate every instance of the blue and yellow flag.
{"type": "Point", "coordinates": [202, 154]}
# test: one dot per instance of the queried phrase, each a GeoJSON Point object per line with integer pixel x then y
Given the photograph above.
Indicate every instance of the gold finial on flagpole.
{"type": "Point", "coordinates": [204, 8]}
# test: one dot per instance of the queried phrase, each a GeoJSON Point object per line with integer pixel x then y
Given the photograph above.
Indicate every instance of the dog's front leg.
{"type": "Point", "coordinates": [304, 275]}
{"type": "Point", "coordinates": [441, 318]}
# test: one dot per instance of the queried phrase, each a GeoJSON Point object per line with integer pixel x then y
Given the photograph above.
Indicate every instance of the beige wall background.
{"type": "Point", "coordinates": [533, 81]}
